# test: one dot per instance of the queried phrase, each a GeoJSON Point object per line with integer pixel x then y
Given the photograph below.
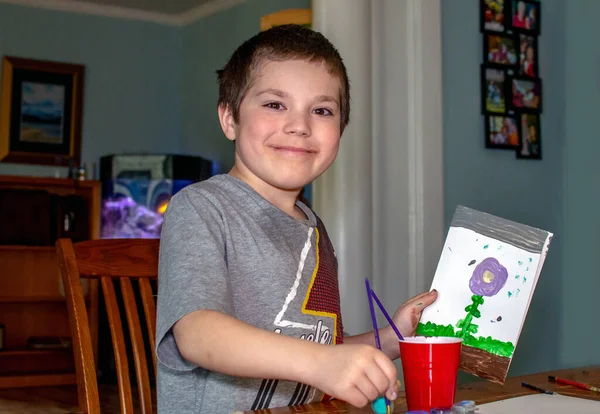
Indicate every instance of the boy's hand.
{"type": "Point", "coordinates": [408, 314]}
{"type": "Point", "coordinates": [357, 374]}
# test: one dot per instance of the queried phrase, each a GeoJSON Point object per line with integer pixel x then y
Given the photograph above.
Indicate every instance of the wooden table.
{"type": "Point", "coordinates": [58, 400]}
{"type": "Point", "coordinates": [481, 392]}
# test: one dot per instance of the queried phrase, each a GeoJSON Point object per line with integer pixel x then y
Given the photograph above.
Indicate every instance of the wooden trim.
{"type": "Point", "coordinates": [137, 345]}
{"type": "Point", "coordinates": [289, 16]}
{"type": "Point", "coordinates": [36, 380]}
{"type": "Point", "coordinates": [118, 341]}
{"type": "Point", "coordinates": [150, 314]}
{"type": "Point", "coordinates": [45, 182]}
{"type": "Point", "coordinates": [87, 386]}
{"type": "Point", "coordinates": [97, 258]}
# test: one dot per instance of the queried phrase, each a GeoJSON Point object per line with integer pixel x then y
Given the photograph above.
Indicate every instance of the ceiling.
{"type": "Point", "coordinates": [170, 7]}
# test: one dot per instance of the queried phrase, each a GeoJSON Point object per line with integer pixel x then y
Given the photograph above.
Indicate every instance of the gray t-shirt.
{"type": "Point", "coordinates": [224, 247]}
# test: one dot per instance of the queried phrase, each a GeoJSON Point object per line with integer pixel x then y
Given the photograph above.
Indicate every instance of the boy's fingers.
{"type": "Point", "coordinates": [389, 369]}
{"type": "Point", "coordinates": [424, 299]}
{"type": "Point", "coordinates": [368, 387]}
{"type": "Point", "coordinates": [392, 394]}
{"type": "Point", "coordinates": [378, 378]}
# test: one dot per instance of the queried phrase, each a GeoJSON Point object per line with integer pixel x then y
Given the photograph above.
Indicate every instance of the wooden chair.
{"type": "Point", "coordinates": [111, 260]}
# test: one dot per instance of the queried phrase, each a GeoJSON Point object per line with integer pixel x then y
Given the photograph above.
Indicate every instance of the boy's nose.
{"type": "Point", "coordinates": [297, 124]}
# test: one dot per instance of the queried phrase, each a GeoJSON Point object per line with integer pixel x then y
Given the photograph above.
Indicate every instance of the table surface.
{"type": "Point", "coordinates": [481, 392]}
{"type": "Point", "coordinates": [57, 400]}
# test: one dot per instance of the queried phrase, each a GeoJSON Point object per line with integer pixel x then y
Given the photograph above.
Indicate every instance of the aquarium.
{"type": "Point", "coordinates": [137, 188]}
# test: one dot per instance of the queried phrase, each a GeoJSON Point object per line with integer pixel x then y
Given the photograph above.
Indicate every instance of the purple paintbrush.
{"type": "Point", "coordinates": [374, 321]}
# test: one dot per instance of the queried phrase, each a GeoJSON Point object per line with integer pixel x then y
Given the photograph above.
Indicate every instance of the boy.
{"type": "Point", "coordinates": [248, 304]}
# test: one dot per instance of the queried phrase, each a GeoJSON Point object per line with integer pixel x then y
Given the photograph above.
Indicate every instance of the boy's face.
{"type": "Point", "coordinates": [289, 125]}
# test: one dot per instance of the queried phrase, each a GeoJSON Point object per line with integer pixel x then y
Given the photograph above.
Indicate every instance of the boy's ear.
{"type": "Point", "coordinates": [227, 122]}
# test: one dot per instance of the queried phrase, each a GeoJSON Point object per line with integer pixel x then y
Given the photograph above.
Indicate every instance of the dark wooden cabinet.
{"type": "Point", "coordinates": [34, 211]}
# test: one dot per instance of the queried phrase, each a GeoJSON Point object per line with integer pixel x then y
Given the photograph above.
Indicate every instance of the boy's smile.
{"type": "Point", "coordinates": [289, 127]}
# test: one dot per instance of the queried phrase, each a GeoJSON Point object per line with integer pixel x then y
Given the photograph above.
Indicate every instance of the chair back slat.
{"type": "Point", "coordinates": [118, 341]}
{"type": "Point", "coordinates": [106, 261]}
{"type": "Point", "coordinates": [87, 386]}
{"type": "Point", "coordinates": [118, 258]}
{"type": "Point", "coordinates": [137, 343]}
{"type": "Point", "coordinates": [150, 313]}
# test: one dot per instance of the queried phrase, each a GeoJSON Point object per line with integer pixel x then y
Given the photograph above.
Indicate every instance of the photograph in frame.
{"type": "Point", "coordinates": [530, 137]}
{"type": "Point", "coordinates": [501, 51]}
{"type": "Point", "coordinates": [525, 16]}
{"type": "Point", "coordinates": [492, 15]}
{"type": "Point", "coordinates": [526, 94]}
{"type": "Point", "coordinates": [493, 90]}
{"type": "Point", "coordinates": [501, 132]}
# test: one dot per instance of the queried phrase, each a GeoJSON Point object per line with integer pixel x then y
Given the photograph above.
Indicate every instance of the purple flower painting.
{"type": "Point", "coordinates": [489, 277]}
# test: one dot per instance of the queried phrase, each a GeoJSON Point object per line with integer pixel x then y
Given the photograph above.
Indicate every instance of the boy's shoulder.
{"type": "Point", "coordinates": [212, 189]}
{"type": "Point", "coordinates": [219, 192]}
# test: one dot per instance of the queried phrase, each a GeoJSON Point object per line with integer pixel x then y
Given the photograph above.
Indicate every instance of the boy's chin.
{"type": "Point", "coordinates": [290, 185]}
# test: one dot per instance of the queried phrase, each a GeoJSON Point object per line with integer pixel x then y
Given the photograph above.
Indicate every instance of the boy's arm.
{"type": "Point", "coordinates": [218, 342]}
{"type": "Point", "coordinates": [387, 339]}
{"type": "Point", "coordinates": [221, 343]}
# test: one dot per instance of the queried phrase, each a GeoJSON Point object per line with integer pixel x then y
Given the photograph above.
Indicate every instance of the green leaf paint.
{"type": "Point", "coordinates": [486, 246]}
{"type": "Point", "coordinates": [517, 276]}
{"type": "Point", "coordinates": [466, 326]}
{"type": "Point", "coordinates": [520, 263]}
{"type": "Point", "coordinates": [488, 344]}
{"type": "Point", "coordinates": [509, 294]}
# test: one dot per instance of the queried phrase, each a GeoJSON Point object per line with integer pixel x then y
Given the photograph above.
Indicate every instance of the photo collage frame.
{"type": "Point", "coordinates": [511, 86]}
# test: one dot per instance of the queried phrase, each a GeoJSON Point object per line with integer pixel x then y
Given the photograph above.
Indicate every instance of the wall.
{"type": "Point", "coordinates": [580, 335]}
{"type": "Point", "coordinates": [132, 89]}
{"type": "Point", "coordinates": [527, 191]}
{"type": "Point", "coordinates": [208, 44]}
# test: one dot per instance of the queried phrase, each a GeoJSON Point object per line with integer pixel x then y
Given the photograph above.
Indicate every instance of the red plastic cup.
{"type": "Point", "coordinates": [430, 367]}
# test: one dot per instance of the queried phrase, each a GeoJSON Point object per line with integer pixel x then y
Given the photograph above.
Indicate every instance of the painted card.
{"type": "Point", "coordinates": [486, 277]}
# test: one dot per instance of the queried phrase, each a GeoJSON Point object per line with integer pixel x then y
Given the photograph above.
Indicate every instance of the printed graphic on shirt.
{"type": "Point", "coordinates": [322, 300]}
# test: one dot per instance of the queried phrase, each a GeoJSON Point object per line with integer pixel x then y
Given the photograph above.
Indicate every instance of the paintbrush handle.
{"type": "Point", "coordinates": [575, 384]}
{"type": "Point", "coordinates": [387, 316]}
{"type": "Point", "coordinates": [370, 294]}
{"type": "Point", "coordinates": [538, 389]}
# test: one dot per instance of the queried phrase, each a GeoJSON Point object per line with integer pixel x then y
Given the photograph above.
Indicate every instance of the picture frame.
{"type": "Point", "coordinates": [492, 15]}
{"type": "Point", "coordinates": [41, 109]}
{"type": "Point", "coordinates": [530, 137]}
{"type": "Point", "coordinates": [524, 16]}
{"type": "Point", "coordinates": [502, 132]}
{"type": "Point", "coordinates": [501, 51]}
{"type": "Point", "coordinates": [528, 56]}
{"type": "Point", "coordinates": [301, 17]}
{"type": "Point", "coordinates": [494, 91]}
{"type": "Point", "coordinates": [525, 94]}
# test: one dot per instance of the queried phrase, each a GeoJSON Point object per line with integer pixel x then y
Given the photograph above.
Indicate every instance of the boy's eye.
{"type": "Point", "coordinates": [274, 105]}
{"type": "Point", "coordinates": [323, 112]}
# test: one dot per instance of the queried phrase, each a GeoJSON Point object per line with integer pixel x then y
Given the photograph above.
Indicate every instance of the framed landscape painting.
{"type": "Point", "coordinates": [40, 111]}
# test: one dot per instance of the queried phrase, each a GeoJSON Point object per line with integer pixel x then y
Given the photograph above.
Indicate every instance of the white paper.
{"type": "Point", "coordinates": [541, 404]}
{"type": "Point", "coordinates": [502, 315]}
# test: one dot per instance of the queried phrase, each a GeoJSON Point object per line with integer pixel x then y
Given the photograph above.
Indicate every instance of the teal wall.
{"type": "Point", "coordinates": [132, 87]}
{"type": "Point", "coordinates": [208, 44]}
{"type": "Point", "coordinates": [580, 334]}
{"type": "Point", "coordinates": [557, 193]}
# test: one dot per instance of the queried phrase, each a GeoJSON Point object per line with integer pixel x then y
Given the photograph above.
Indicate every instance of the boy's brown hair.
{"type": "Point", "coordinates": [279, 43]}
